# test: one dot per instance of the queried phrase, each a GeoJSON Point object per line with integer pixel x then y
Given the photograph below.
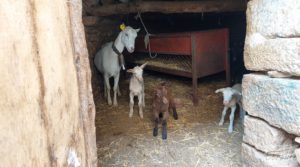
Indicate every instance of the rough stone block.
{"type": "Point", "coordinates": [253, 158]}
{"type": "Point", "coordinates": [268, 139]}
{"type": "Point", "coordinates": [274, 18]}
{"type": "Point", "coordinates": [280, 54]}
{"type": "Point", "coordinates": [297, 152]}
{"type": "Point", "coordinates": [276, 100]}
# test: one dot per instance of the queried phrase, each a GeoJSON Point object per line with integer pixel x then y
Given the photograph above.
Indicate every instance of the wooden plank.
{"type": "Point", "coordinates": [170, 7]}
{"type": "Point", "coordinates": [90, 20]}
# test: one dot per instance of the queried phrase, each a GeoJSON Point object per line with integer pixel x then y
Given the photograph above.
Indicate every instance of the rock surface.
{"type": "Point", "coordinates": [261, 54]}
{"type": "Point", "coordinates": [254, 158]}
{"type": "Point", "coordinates": [276, 100]}
{"type": "Point", "coordinates": [268, 139]}
{"type": "Point", "coordinates": [274, 18]}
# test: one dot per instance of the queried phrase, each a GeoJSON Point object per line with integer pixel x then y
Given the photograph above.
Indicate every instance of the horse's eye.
{"type": "Point", "coordinates": [126, 35]}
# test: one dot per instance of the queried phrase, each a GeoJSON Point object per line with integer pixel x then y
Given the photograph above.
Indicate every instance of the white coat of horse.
{"type": "Point", "coordinates": [107, 60]}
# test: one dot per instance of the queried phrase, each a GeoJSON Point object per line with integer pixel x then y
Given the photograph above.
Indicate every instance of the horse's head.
{"type": "Point", "coordinates": [128, 38]}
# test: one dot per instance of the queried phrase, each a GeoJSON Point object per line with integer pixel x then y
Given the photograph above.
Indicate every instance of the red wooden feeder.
{"type": "Point", "coordinates": [188, 54]}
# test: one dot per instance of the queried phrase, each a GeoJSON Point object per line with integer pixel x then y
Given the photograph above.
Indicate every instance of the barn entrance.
{"type": "Point", "coordinates": [195, 139]}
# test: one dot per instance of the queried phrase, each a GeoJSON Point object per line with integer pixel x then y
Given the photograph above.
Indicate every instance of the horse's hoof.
{"type": "Point", "coordinates": [109, 103]}
{"type": "Point", "coordinates": [230, 130]}
{"type": "Point", "coordinates": [220, 123]}
{"type": "Point", "coordinates": [155, 132]}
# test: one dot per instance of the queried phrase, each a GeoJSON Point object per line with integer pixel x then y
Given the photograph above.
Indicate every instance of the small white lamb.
{"type": "Point", "coordinates": [136, 87]}
{"type": "Point", "coordinates": [231, 97]}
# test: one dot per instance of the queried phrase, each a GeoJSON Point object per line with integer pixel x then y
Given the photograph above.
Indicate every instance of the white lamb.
{"type": "Point", "coordinates": [136, 87]}
{"type": "Point", "coordinates": [231, 97]}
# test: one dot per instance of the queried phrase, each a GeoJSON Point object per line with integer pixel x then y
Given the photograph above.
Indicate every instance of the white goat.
{"type": "Point", "coordinates": [136, 87]}
{"type": "Point", "coordinates": [108, 60]}
{"type": "Point", "coordinates": [231, 97]}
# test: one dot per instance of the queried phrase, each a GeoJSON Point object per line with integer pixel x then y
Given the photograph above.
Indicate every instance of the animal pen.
{"type": "Point", "coordinates": [56, 110]}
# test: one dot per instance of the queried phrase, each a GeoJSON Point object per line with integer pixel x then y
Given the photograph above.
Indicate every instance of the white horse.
{"type": "Point", "coordinates": [108, 60]}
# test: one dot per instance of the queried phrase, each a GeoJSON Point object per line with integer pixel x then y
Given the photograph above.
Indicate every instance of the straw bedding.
{"type": "Point", "coordinates": [195, 139]}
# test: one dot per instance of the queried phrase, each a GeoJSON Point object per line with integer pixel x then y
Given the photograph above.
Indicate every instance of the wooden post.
{"type": "Point", "coordinates": [194, 69]}
{"type": "Point", "coordinates": [227, 59]}
{"type": "Point", "coordinates": [170, 7]}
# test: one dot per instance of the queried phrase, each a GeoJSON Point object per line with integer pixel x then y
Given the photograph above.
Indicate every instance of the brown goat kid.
{"type": "Point", "coordinates": [163, 102]}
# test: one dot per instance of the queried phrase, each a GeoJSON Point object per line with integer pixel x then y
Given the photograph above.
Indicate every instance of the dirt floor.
{"type": "Point", "coordinates": [195, 139]}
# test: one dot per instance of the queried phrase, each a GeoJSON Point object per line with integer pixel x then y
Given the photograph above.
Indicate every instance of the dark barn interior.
{"type": "Point", "coordinates": [195, 139]}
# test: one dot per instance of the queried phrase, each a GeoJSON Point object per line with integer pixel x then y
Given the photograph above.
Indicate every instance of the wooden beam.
{"type": "Point", "coordinates": [90, 20]}
{"type": "Point", "coordinates": [170, 7]}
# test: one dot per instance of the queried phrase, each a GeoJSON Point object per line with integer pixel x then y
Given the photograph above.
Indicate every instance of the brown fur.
{"type": "Point", "coordinates": [163, 102]}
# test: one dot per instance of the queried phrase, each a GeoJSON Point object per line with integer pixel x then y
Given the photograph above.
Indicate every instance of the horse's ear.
{"type": "Point", "coordinates": [143, 66]}
{"type": "Point", "coordinates": [137, 30]}
{"type": "Point", "coordinates": [219, 90]}
{"type": "Point", "coordinates": [130, 70]}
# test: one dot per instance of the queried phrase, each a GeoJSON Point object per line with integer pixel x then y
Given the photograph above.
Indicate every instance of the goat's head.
{"type": "Point", "coordinates": [128, 38]}
{"type": "Point", "coordinates": [137, 71]}
{"type": "Point", "coordinates": [161, 93]}
{"type": "Point", "coordinates": [228, 94]}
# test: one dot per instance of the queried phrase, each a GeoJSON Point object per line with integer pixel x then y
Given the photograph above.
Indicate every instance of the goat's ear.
{"type": "Point", "coordinates": [219, 90]}
{"type": "Point", "coordinates": [137, 30]}
{"type": "Point", "coordinates": [130, 70]}
{"type": "Point", "coordinates": [143, 66]}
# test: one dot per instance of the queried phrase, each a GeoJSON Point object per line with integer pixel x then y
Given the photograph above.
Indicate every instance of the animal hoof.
{"type": "Point", "coordinates": [220, 123]}
{"type": "Point", "coordinates": [155, 132]}
{"type": "Point", "coordinates": [164, 136]}
{"type": "Point", "coordinates": [115, 103]}
{"type": "Point", "coordinates": [230, 130]}
{"type": "Point", "coordinates": [175, 116]}
{"type": "Point", "coordinates": [109, 103]}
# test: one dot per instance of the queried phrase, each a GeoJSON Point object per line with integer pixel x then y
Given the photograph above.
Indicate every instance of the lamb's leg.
{"type": "Point", "coordinates": [231, 118]}
{"type": "Point", "coordinates": [116, 85]}
{"type": "Point", "coordinates": [144, 99]}
{"type": "Point", "coordinates": [164, 125]}
{"type": "Point", "coordinates": [141, 105]}
{"type": "Point", "coordinates": [242, 112]}
{"type": "Point", "coordinates": [156, 120]}
{"type": "Point", "coordinates": [175, 116]}
{"type": "Point", "coordinates": [131, 103]}
{"type": "Point", "coordinates": [223, 115]}
{"type": "Point", "coordinates": [106, 79]}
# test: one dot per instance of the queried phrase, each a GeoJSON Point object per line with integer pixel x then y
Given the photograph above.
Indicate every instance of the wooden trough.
{"type": "Point", "coordinates": [188, 54]}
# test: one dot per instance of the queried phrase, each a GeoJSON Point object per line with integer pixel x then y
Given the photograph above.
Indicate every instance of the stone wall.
{"type": "Point", "coordinates": [273, 104]}
{"type": "Point", "coordinates": [47, 111]}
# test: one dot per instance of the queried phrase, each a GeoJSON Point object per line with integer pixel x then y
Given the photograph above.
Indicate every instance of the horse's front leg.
{"type": "Point", "coordinates": [116, 85]}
